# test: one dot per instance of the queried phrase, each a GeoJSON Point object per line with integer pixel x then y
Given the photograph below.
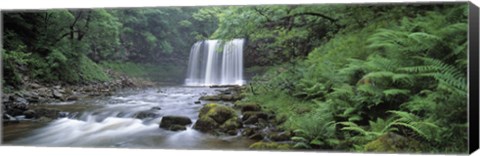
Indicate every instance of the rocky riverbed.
{"type": "Point", "coordinates": [16, 106]}
{"type": "Point", "coordinates": [205, 117]}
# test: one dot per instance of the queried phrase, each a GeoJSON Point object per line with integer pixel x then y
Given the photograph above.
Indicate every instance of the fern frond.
{"type": "Point", "coordinates": [393, 92]}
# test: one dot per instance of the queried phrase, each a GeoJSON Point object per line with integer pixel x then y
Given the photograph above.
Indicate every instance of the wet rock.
{"type": "Point", "coordinates": [146, 114]}
{"type": "Point", "coordinates": [249, 131]}
{"type": "Point", "coordinates": [256, 136]}
{"type": "Point", "coordinates": [197, 102]}
{"type": "Point", "coordinates": [214, 118]}
{"type": "Point", "coordinates": [210, 98]}
{"type": "Point", "coordinates": [156, 108]}
{"type": "Point", "coordinates": [16, 109]}
{"type": "Point", "coordinates": [173, 122]}
{"type": "Point", "coordinates": [177, 128]}
{"type": "Point", "coordinates": [280, 136]}
{"type": "Point", "coordinates": [7, 117]}
{"type": "Point", "coordinates": [29, 114]}
{"type": "Point", "coordinates": [45, 112]}
{"type": "Point", "coordinates": [63, 114]}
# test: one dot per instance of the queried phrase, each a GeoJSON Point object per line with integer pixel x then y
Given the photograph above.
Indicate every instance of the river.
{"type": "Point", "coordinates": [111, 122]}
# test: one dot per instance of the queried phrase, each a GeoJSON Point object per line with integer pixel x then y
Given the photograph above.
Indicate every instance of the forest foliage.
{"type": "Point", "coordinates": [345, 76]}
{"type": "Point", "coordinates": [70, 46]}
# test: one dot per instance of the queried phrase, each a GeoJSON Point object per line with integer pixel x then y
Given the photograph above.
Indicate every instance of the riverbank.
{"type": "Point", "coordinates": [256, 122]}
{"type": "Point", "coordinates": [16, 104]}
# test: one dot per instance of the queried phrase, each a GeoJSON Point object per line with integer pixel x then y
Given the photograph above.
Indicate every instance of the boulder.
{"type": "Point", "coordinates": [392, 142]}
{"type": "Point", "coordinates": [214, 118]}
{"type": "Point", "coordinates": [177, 128]}
{"type": "Point", "coordinates": [146, 114]}
{"type": "Point", "coordinates": [254, 117]}
{"type": "Point", "coordinates": [174, 123]}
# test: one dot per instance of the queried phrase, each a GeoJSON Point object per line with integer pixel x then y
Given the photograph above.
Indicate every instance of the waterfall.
{"type": "Point", "coordinates": [214, 62]}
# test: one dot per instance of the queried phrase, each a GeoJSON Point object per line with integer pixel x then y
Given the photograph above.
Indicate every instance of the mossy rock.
{"type": "Point", "coordinates": [214, 118]}
{"type": "Point", "coordinates": [177, 128]}
{"type": "Point", "coordinates": [170, 121]}
{"type": "Point", "coordinates": [248, 107]}
{"type": "Point", "coordinates": [394, 143]}
{"type": "Point", "coordinates": [261, 145]}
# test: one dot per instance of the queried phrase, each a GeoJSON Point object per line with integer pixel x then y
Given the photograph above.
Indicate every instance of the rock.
{"type": "Point", "coordinates": [261, 145]}
{"type": "Point", "coordinates": [177, 128]}
{"type": "Point", "coordinates": [146, 114]}
{"type": "Point", "coordinates": [35, 85]}
{"type": "Point", "coordinates": [253, 117]}
{"type": "Point", "coordinates": [249, 107]}
{"type": "Point", "coordinates": [16, 109]}
{"type": "Point", "coordinates": [49, 113]}
{"type": "Point", "coordinates": [249, 131]}
{"type": "Point", "coordinates": [197, 102]}
{"type": "Point", "coordinates": [280, 136]}
{"type": "Point", "coordinates": [156, 108]}
{"type": "Point", "coordinates": [8, 117]}
{"type": "Point", "coordinates": [210, 98]}
{"type": "Point", "coordinates": [29, 114]}
{"type": "Point", "coordinates": [392, 142]}
{"type": "Point", "coordinates": [214, 118]}
{"type": "Point", "coordinates": [169, 122]}
{"type": "Point", "coordinates": [18, 100]}
{"type": "Point", "coordinates": [56, 94]}
{"type": "Point", "coordinates": [256, 136]}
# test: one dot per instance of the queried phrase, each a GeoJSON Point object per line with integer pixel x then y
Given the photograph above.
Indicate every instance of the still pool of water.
{"type": "Point", "coordinates": [110, 122]}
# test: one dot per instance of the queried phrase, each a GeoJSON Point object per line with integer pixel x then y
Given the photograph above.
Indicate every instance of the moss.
{"type": "Point", "coordinates": [261, 145]}
{"type": "Point", "coordinates": [392, 142]}
{"type": "Point", "coordinates": [231, 124]}
{"type": "Point", "coordinates": [216, 118]}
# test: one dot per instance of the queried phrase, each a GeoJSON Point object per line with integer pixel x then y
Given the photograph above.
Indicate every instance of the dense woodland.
{"type": "Point", "coordinates": [343, 77]}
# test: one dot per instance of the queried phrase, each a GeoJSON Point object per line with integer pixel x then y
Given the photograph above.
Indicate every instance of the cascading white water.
{"type": "Point", "coordinates": [208, 65]}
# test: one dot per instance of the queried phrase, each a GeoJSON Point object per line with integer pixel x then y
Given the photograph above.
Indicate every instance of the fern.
{"type": "Point", "coordinates": [422, 128]}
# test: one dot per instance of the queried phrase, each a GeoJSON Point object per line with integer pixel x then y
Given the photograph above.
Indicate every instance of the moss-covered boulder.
{"type": "Point", "coordinates": [174, 123]}
{"type": "Point", "coordinates": [392, 142]}
{"type": "Point", "coordinates": [214, 118]}
{"type": "Point", "coordinates": [261, 145]}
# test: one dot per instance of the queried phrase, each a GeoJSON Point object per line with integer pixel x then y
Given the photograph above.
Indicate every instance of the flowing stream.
{"type": "Point", "coordinates": [113, 122]}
